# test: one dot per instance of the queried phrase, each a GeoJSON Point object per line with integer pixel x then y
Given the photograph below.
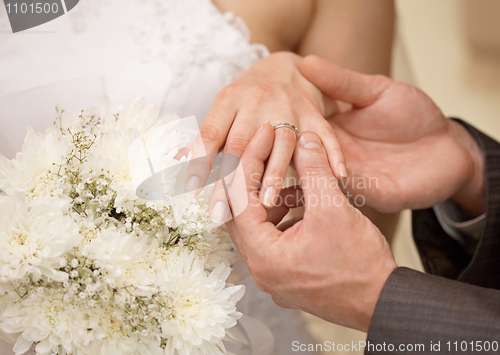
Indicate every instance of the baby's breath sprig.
{"type": "Point", "coordinates": [58, 120]}
{"type": "Point", "coordinates": [147, 218]}
{"type": "Point", "coordinates": [95, 194]}
{"type": "Point", "coordinates": [145, 314]}
{"type": "Point", "coordinates": [81, 141]}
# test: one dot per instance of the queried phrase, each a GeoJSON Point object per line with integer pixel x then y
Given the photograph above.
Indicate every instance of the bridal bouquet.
{"type": "Point", "coordinates": [87, 267]}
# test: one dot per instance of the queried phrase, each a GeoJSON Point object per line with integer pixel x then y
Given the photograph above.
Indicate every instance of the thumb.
{"type": "Point", "coordinates": [342, 84]}
{"type": "Point", "coordinates": [319, 185]}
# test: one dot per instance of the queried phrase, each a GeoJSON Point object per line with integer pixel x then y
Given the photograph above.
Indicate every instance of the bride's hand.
{"type": "Point", "coordinates": [271, 91]}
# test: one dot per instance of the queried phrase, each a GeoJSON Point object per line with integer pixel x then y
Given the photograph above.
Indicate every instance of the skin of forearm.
{"type": "Point", "coordinates": [358, 34]}
{"type": "Point", "coordinates": [355, 34]}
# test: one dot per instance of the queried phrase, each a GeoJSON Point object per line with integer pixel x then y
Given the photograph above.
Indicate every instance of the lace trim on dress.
{"type": "Point", "coordinates": [196, 32]}
{"type": "Point", "coordinates": [184, 33]}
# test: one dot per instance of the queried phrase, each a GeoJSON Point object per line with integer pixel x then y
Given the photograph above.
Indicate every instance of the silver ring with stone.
{"type": "Point", "coordinates": [289, 126]}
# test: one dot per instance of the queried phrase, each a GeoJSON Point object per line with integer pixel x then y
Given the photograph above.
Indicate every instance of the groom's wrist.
{"type": "Point", "coordinates": [471, 197]}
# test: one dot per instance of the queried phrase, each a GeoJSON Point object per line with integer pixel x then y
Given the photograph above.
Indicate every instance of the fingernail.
{"type": "Point", "coordinates": [269, 195]}
{"type": "Point", "coordinates": [342, 170]}
{"type": "Point", "coordinates": [219, 212]}
{"type": "Point", "coordinates": [260, 129]}
{"type": "Point", "coordinates": [310, 141]}
{"type": "Point", "coordinates": [193, 183]}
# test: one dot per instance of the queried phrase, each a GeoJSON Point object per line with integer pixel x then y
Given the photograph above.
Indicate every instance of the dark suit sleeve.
{"type": "Point", "coordinates": [442, 255]}
{"type": "Point", "coordinates": [421, 309]}
{"type": "Point", "coordinates": [462, 303]}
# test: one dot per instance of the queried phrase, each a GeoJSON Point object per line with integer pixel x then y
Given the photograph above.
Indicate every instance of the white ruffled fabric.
{"type": "Point", "coordinates": [177, 54]}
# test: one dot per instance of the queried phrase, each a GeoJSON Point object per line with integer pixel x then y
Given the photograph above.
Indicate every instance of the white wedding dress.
{"type": "Point", "coordinates": [178, 54]}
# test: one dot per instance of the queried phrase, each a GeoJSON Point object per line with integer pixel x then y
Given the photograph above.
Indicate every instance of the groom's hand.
{"type": "Point", "coordinates": [334, 262]}
{"type": "Point", "coordinates": [401, 150]}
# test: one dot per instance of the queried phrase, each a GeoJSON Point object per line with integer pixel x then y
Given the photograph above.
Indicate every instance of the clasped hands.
{"type": "Point", "coordinates": [334, 262]}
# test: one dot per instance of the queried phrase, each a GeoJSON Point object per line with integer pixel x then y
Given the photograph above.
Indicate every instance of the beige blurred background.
{"type": "Point", "coordinates": [451, 50]}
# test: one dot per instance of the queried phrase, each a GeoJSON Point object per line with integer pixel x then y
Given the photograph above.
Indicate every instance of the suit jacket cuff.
{"type": "Point", "coordinates": [416, 308]}
{"type": "Point", "coordinates": [444, 256]}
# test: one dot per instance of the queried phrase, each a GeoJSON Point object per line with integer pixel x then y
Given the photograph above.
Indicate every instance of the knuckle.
{"type": "Point", "coordinates": [343, 85]}
{"type": "Point", "coordinates": [285, 94]}
{"type": "Point", "coordinates": [286, 99]}
{"type": "Point", "coordinates": [262, 92]}
{"type": "Point", "coordinates": [209, 133]}
{"type": "Point", "coordinates": [254, 93]}
{"type": "Point", "coordinates": [379, 80]}
{"type": "Point", "coordinates": [329, 133]}
{"type": "Point", "coordinates": [317, 168]}
{"type": "Point", "coordinates": [228, 92]}
{"type": "Point", "coordinates": [313, 105]}
{"type": "Point", "coordinates": [277, 96]}
{"type": "Point", "coordinates": [236, 145]}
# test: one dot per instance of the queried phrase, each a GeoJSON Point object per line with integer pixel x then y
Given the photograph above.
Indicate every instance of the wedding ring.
{"type": "Point", "coordinates": [289, 126]}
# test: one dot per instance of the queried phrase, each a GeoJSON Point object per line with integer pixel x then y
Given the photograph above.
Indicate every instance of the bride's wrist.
{"type": "Point", "coordinates": [292, 57]}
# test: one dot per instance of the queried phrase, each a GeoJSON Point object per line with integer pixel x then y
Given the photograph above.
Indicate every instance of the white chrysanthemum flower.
{"type": "Point", "coordinates": [123, 257]}
{"type": "Point", "coordinates": [110, 153]}
{"type": "Point", "coordinates": [203, 308]}
{"type": "Point", "coordinates": [33, 239]}
{"type": "Point", "coordinates": [44, 318]}
{"type": "Point", "coordinates": [52, 324]}
{"type": "Point", "coordinates": [8, 296]}
{"type": "Point", "coordinates": [137, 117]}
{"type": "Point", "coordinates": [165, 259]}
{"type": "Point", "coordinates": [214, 249]}
{"type": "Point", "coordinates": [30, 171]}
{"type": "Point", "coordinates": [134, 144]}
{"type": "Point", "coordinates": [112, 335]}
{"type": "Point", "coordinates": [128, 293]}
{"type": "Point", "coordinates": [123, 345]}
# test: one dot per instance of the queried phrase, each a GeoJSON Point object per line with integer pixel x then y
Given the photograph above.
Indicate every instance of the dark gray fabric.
{"type": "Point", "coordinates": [416, 308]}
{"type": "Point", "coordinates": [422, 309]}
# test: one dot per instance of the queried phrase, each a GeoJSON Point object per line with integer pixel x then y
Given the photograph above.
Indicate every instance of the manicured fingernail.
{"type": "Point", "coordinates": [268, 198]}
{"type": "Point", "coordinates": [342, 170]}
{"type": "Point", "coordinates": [310, 141]}
{"type": "Point", "coordinates": [220, 212]}
{"type": "Point", "coordinates": [193, 183]}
